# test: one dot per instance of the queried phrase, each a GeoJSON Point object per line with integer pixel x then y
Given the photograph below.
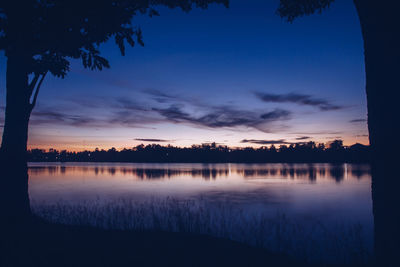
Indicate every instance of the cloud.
{"type": "Point", "coordinates": [159, 96]}
{"type": "Point", "coordinates": [276, 114]}
{"type": "Point", "coordinates": [104, 112]}
{"type": "Point", "coordinates": [128, 104]}
{"type": "Point", "coordinates": [303, 138]}
{"type": "Point", "coordinates": [265, 142]}
{"type": "Point", "coordinates": [333, 137]}
{"type": "Point", "coordinates": [222, 117]}
{"type": "Point", "coordinates": [357, 120]}
{"type": "Point", "coordinates": [152, 140]}
{"type": "Point", "coordinates": [317, 133]}
{"type": "Point", "coordinates": [55, 117]}
{"type": "Point", "coordinates": [126, 112]}
{"type": "Point", "coordinates": [300, 99]}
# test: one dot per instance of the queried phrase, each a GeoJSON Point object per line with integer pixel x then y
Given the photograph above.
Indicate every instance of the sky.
{"type": "Point", "coordinates": [237, 76]}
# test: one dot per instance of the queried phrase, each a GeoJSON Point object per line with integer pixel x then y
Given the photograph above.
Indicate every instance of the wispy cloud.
{"type": "Point", "coordinates": [317, 133]}
{"type": "Point", "coordinates": [56, 117]}
{"type": "Point", "coordinates": [303, 138]}
{"type": "Point", "coordinates": [128, 112]}
{"type": "Point", "coordinates": [357, 120]}
{"type": "Point", "coordinates": [152, 140]}
{"type": "Point", "coordinates": [222, 117]}
{"type": "Point", "coordinates": [276, 115]}
{"type": "Point", "coordinates": [160, 96]}
{"type": "Point", "coordinates": [265, 142]}
{"type": "Point", "coordinates": [300, 99]}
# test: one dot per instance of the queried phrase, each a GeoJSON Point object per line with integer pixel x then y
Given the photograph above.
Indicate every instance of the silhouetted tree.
{"type": "Point", "coordinates": [381, 35]}
{"type": "Point", "coordinates": [303, 152]}
{"type": "Point", "coordinates": [42, 36]}
{"type": "Point", "coordinates": [336, 145]}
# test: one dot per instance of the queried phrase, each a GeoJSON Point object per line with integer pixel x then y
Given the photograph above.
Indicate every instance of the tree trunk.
{"type": "Point", "coordinates": [381, 36]}
{"type": "Point", "coordinates": [13, 165]}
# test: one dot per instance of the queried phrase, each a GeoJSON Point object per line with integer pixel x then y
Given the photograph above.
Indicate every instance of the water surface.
{"type": "Point", "coordinates": [329, 194]}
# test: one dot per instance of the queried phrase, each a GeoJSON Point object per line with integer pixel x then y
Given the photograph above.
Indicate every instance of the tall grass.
{"type": "Point", "coordinates": [305, 239]}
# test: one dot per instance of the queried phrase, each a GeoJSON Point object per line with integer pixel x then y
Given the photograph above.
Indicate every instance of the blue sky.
{"type": "Point", "coordinates": [223, 75]}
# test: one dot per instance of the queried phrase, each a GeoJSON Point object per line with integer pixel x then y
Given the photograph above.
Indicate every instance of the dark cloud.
{"type": "Point", "coordinates": [317, 133]}
{"type": "Point", "coordinates": [128, 104]}
{"type": "Point", "coordinates": [303, 138]}
{"type": "Point", "coordinates": [301, 99]}
{"type": "Point", "coordinates": [118, 111]}
{"type": "Point", "coordinates": [222, 117]}
{"type": "Point", "coordinates": [159, 96]}
{"type": "Point", "coordinates": [174, 113]}
{"type": "Point", "coordinates": [357, 120]}
{"type": "Point", "coordinates": [333, 137]}
{"type": "Point", "coordinates": [276, 114]}
{"type": "Point", "coordinates": [100, 113]}
{"type": "Point", "coordinates": [111, 111]}
{"type": "Point", "coordinates": [56, 117]}
{"type": "Point", "coordinates": [152, 140]}
{"type": "Point", "coordinates": [265, 142]}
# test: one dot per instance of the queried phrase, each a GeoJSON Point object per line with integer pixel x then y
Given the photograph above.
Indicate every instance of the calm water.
{"type": "Point", "coordinates": [329, 194]}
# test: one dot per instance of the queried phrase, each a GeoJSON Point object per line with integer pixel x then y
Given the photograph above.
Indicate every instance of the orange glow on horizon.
{"type": "Point", "coordinates": [119, 147]}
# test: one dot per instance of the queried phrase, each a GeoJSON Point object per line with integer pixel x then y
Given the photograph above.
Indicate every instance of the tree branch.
{"type": "Point", "coordinates": [32, 84]}
{"type": "Point", "coordinates": [37, 91]}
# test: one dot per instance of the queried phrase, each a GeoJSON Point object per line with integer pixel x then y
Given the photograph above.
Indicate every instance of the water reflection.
{"type": "Point", "coordinates": [310, 172]}
{"type": "Point", "coordinates": [247, 196]}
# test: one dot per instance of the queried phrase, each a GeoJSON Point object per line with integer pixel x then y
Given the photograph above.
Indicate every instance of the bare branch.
{"type": "Point", "coordinates": [37, 91]}
{"type": "Point", "coordinates": [32, 84]}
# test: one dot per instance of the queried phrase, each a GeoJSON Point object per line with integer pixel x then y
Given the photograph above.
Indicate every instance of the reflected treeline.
{"type": "Point", "coordinates": [207, 153]}
{"type": "Point", "coordinates": [311, 172]}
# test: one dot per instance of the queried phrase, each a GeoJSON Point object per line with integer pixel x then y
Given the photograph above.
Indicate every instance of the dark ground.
{"type": "Point", "coordinates": [46, 244]}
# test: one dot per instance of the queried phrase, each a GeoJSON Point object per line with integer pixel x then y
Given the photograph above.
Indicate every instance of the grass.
{"type": "Point", "coordinates": [306, 240]}
{"type": "Point", "coordinates": [45, 244]}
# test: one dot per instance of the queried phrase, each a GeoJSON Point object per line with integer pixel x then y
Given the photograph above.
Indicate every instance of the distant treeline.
{"type": "Point", "coordinates": [299, 152]}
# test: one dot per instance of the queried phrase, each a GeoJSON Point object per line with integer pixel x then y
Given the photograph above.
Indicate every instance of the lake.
{"type": "Point", "coordinates": [284, 207]}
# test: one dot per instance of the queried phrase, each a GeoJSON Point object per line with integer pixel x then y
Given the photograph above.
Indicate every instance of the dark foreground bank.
{"type": "Point", "coordinates": [46, 244]}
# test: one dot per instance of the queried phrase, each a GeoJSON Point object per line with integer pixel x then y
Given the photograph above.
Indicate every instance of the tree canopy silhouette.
{"type": "Point", "coordinates": [307, 152]}
{"type": "Point", "coordinates": [42, 36]}
{"type": "Point", "coordinates": [292, 9]}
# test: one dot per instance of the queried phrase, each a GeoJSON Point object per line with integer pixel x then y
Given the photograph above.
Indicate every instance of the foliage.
{"type": "Point", "coordinates": [303, 238]}
{"type": "Point", "coordinates": [48, 33]}
{"type": "Point", "coordinates": [291, 9]}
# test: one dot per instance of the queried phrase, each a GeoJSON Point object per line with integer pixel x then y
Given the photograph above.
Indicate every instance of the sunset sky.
{"type": "Point", "coordinates": [239, 77]}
